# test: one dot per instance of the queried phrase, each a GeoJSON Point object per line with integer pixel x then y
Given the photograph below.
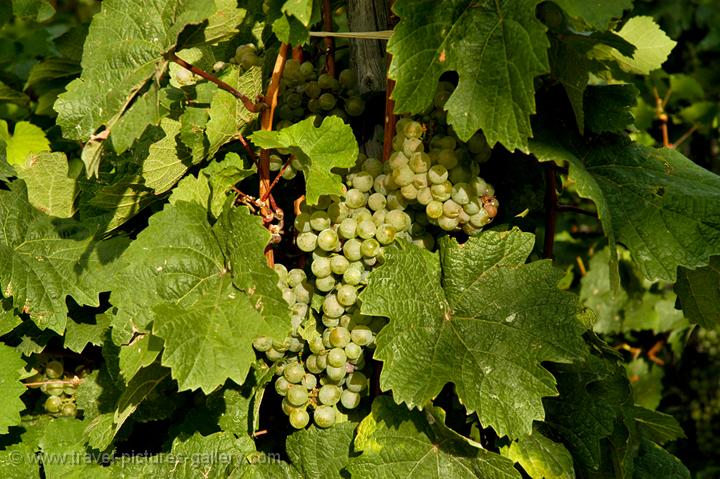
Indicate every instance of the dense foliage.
{"type": "Point", "coordinates": [224, 252]}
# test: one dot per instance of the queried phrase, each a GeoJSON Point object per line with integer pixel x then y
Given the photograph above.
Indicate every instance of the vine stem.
{"type": "Point", "coordinates": [247, 102]}
{"type": "Point", "coordinates": [390, 117]}
{"type": "Point", "coordinates": [277, 178]}
{"type": "Point", "coordinates": [266, 121]}
{"type": "Point", "coordinates": [551, 209]}
{"type": "Point", "coordinates": [575, 209]}
{"type": "Point", "coordinates": [328, 40]}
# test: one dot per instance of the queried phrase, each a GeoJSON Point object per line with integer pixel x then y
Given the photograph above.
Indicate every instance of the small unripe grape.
{"type": "Point", "coordinates": [377, 201]}
{"type": "Point", "coordinates": [373, 166]}
{"type": "Point", "coordinates": [295, 277]}
{"type": "Point", "coordinates": [447, 223]}
{"type": "Point", "coordinates": [351, 249]}
{"type": "Point", "coordinates": [461, 193]}
{"type": "Point", "coordinates": [366, 229]}
{"type": "Point", "coordinates": [412, 145]}
{"type": "Point", "coordinates": [311, 364]}
{"type": "Point", "coordinates": [312, 89]}
{"type": "Point", "coordinates": [303, 295]}
{"type": "Point", "coordinates": [336, 357]}
{"type": "Point", "coordinates": [324, 416]}
{"type": "Point", "coordinates": [352, 351]}
{"type": "Point", "coordinates": [307, 70]}
{"type": "Point", "coordinates": [354, 106]}
{"type": "Point", "coordinates": [329, 394]}
{"type": "Point", "coordinates": [361, 214]}
{"type": "Point", "coordinates": [309, 381]}
{"type": "Point", "coordinates": [448, 158]}
{"type": "Point", "coordinates": [54, 403]}
{"type": "Point", "coordinates": [313, 105]}
{"type": "Point", "coordinates": [297, 395]}
{"type": "Point", "coordinates": [328, 240]}
{"type": "Point", "coordinates": [302, 223]}
{"type": "Point", "coordinates": [55, 388]}
{"type": "Point", "coordinates": [294, 372]}
{"type": "Point", "coordinates": [442, 192]}
{"type": "Point", "coordinates": [361, 335]}
{"type": "Point", "coordinates": [273, 355]}
{"type": "Point", "coordinates": [321, 267]}
{"type": "Point", "coordinates": [424, 196]}
{"type": "Point", "coordinates": [451, 209]}
{"type": "Point", "coordinates": [480, 219]}
{"type": "Point", "coordinates": [403, 176]}
{"type": "Point", "coordinates": [355, 198]}
{"type": "Point", "coordinates": [325, 284]}
{"type": "Point", "coordinates": [347, 295]}
{"type": "Point", "coordinates": [473, 207]}
{"type": "Point", "coordinates": [54, 369]}
{"type": "Point", "coordinates": [409, 192]}
{"type": "Point", "coordinates": [397, 160]}
{"type": "Point", "coordinates": [420, 162]}
{"type": "Point", "coordinates": [349, 399]}
{"type": "Point", "coordinates": [289, 174]}
{"type": "Point", "coordinates": [370, 248]}
{"type": "Point", "coordinates": [356, 382]}
{"type": "Point", "coordinates": [335, 373]}
{"type": "Point", "coordinates": [320, 220]}
{"type": "Point", "coordinates": [339, 264]}
{"type": "Point", "coordinates": [413, 130]}
{"type": "Point", "coordinates": [299, 418]}
{"type": "Point", "coordinates": [327, 101]}
{"type": "Point", "coordinates": [347, 78]}
{"type": "Point", "coordinates": [437, 174]}
{"type": "Point", "coordinates": [322, 359]}
{"type": "Point", "coordinates": [398, 220]}
{"type": "Point", "coordinates": [396, 201]}
{"type": "Point", "coordinates": [69, 410]}
{"type": "Point", "coordinates": [262, 343]}
{"type": "Point", "coordinates": [281, 386]}
{"type": "Point", "coordinates": [331, 306]}
{"type": "Point", "coordinates": [385, 234]}
{"type": "Point", "coordinates": [379, 217]}
{"type": "Point", "coordinates": [352, 276]}
{"type": "Point", "coordinates": [306, 242]}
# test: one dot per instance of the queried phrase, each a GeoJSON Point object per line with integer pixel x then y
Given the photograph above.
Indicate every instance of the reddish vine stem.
{"type": "Point", "coordinates": [249, 104]}
{"type": "Point", "coordinates": [251, 153]}
{"type": "Point", "coordinates": [551, 209]}
{"type": "Point", "coordinates": [329, 41]}
{"type": "Point", "coordinates": [266, 121]}
{"type": "Point", "coordinates": [298, 54]}
{"type": "Point", "coordinates": [277, 178]}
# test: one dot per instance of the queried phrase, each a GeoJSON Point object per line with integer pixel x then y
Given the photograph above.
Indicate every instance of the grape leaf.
{"type": "Point", "coordinates": [211, 340]}
{"type": "Point", "coordinates": [19, 460]}
{"type": "Point", "coordinates": [50, 190]}
{"type": "Point", "coordinates": [395, 442]}
{"type": "Point", "coordinates": [663, 207]}
{"type": "Point", "coordinates": [221, 25]}
{"type": "Point", "coordinates": [123, 50]}
{"type": "Point", "coordinates": [652, 46]}
{"type": "Point", "coordinates": [140, 353]}
{"type": "Point", "coordinates": [78, 335]}
{"type": "Point", "coordinates": [25, 140]}
{"type": "Point", "coordinates": [61, 447]}
{"type": "Point", "coordinates": [597, 294]}
{"type": "Point", "coordinates": [698, 292]}
{"type": "Point", "coordinates": [168, 159]}
{"type": "Point", "coordinates": [36, 10]}
{"type": "Point", "coordinates": [321, 453]}
{"type": "Point", "coordinates": [143, 112]}
{"type": "Point", "coordinates": [139, 387]}
{"type": "Point", "coordinates": [11, 365]}
{"type": "Point", "coordinates": [319, 150]}
{"type": "Point", "coordinates": [39, 268]}
{"type": "Point", "coordinates": [8, 94]}
{"type": "Point", "coordinates": [541, 457]}
{"type": "Point", "coordinates": [497, 49]}
{"type": "Point", "coordinates": [596, 15]}
{"type": "Point", "coordinates": [300, 9]}
{"type": "Point", "coordinates": [653, 461]}
{"type": "Point", "coordinates": [458, 318]}
{"type": "Point", "coordinates": [657, 426]}
{"type": "Point", "coordinates": [646, 383]}
{"type": "Point", "coordinates": [228, 115]}
{"type": "Point", "coordinates": [607, 107]}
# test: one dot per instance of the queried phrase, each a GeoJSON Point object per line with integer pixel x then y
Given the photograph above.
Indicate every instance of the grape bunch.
{"type": "Point", "coordinates": [60, 388]}
{"type": "Point", "coordinates": [705, 383]}
{"type": "Point", "coordinates": [304, 92]}
{"type": "Point", "coordinates": [322, 366]}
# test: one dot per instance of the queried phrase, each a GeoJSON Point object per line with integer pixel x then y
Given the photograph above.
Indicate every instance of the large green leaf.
{"type": "Point", "coordinates": [459, 318]}
{"type": "Point", "coordinates": [595, 14]}
{"type": "Point", "coordinates": [26, 139]}
{"type": "Point", "coordinates": [38, 267]}
{"type": "Point", "coordinates": [123, 50]}
{"type": "Point", "coordinates": [497, 49]}
{"type": "Point", "coordinates": [698, 291]}
{"type": "Point", "coordinates": [168, 159]}
{"type": "Point", "coordinates": [11, 365]}
{"type": "Point", "coordinates": [321, 453]}
{"type": "Point", "coordinates": [319, 150]}
{"type": "Point", "coordinates": [663, 207]}
{"type": "Point", "coordinates": [395, 442]}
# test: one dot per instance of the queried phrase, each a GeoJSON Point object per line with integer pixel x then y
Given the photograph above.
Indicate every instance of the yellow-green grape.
{"type": "Point", "coordinates": [54, 369]}
{"type": "Point", "coordinates": [324, 416]}
{"type": "Point", "coordinates": [53, 404]}
{"type": "Point", "coordinates": [299, 418]}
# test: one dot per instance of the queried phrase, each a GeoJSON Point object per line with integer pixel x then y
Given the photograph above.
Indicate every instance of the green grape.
{"type": "Point", "coordinates": [303, 293]}
{"type": "Point", "coordinates": [339, 337]}
{"type": "Point", "coordinates": [335, 373]}
{"type": "Point", "coordinates": [385, 234]}
{"type": "Point", "coordinates": [309, 381]}
{"type": "Point", "coordinates": [273, 355]}
{"type": "Point", "coordinates": [349, 399]}
{"type": "Point", "coordinates": [328, 240]}
{"type": "Point", "coordinates": [377, 201]}
{"type": "Point", "coordinates": [441, 192]}
{"type": "Point", "coordinates": [331, 307]}
{"type": "Point", "coordinates": [403, 176]}
{"type": "Point", "coordinates": [302, 223]}
{"type": "Point", "coordinates": [294, 372]}
{"type": "Point", "coordinates": [352, 276]}
{"type": "Point", "coordinates": [424, 196]}
{"type": "Point", "coordinates": [313, 106]}
{"type": "Point", "coordinates": [398, 220]}
{"type": "Point", "coordinates": [289, 174]}
{"type": "Point", "coordinates": [411, 146]}
{"type": "Point", "coordinates": [69, 410]}
{"type": "Point", "coordinates": [472, 208]}
{"type": "Point", "coordinates": [324, 416]}
{"type": "Point", "coordinates": [356, 382]}
{"type": "Point", "coordinates": [295, 344]}
{"type": "Point", "coordinates": [347, 229]}
{"type": "Point", "coordinates": [409, 192]}
{"type": "Point", "coordinates": [347, 79]}
{"type": "Point", "coordinates": [320, 221]}
{"type": "Point", "coordinates": [306, 242]}
{"type": "Point", "coordinates": [347, 295]}
{"type": "Point", "coordinates": [262, 343]}
{"type": "Point", "coordinates": [354, 106]}
{"type": "Point", "coordinates": [327, 101]}
{"type": "Point", "coordinates": [420, 162]}
{"type": "Point", "coordinates": [299, 418]}
{"type": "Point", "coordinates": [70, 389]}
{"type": "Point", "coordinates": [420, 181]}
{"type": "Point", "coordinates": [379, 185]}
{"type": "Point", "coordinates": [437, 174]}
{"type": "Point", "coordinates": [281, 271]}
{"type": "Point", "coordinates": [287, 408]}
{"type": "Point", "coordinates": [370, 248]}
{"type": "Point", "coordinates": [322, 359]}
{"type": "Point", "coordinates": [351, 249]}
{"type": "Point", "coordinates": [447, 223]}
{"type": "Point", "coordinates": [373, 166]}
{"type": "Point", "coordinates": [480, 219]}
{"type": "Point", "coordinates": [325, 284]}
{"type": "Point", "coordinates": [55, 388]}
{"type": "Point", "coordinates": [54, 369]}
{"type": "Point", "coordinates": [339, 264]}
{"type": "Point", "coordinates": [336, 357]}
{"type": "Point", "coordinates": [281, 386]}
{"type": "Point", "coordinates": [183, 76]}
{"type": "Point", "coordinates": [361, 335]}
{"type": "Point", "coordinates": [326, 81]}
{"type": "Point", "coordinates": [451, 209]}
{"type": "Point", "coordinates": [363, 181]}
{"type": "Point", "coordinates": [413, 129]}
{"type": "Point", "coordinates": [379, 217]}
{"type": "Point", "coordinates": [355, 198]}
{"type": "Point", "coordinates": [297, 395]}
{"type": "Point", "coordinates": [54, 403]}
{"type": "Point", "coordinates": [311, 364]}
{"type": "Point", "coordinates": [312, 89]}
{"type": "Point", "coordinates": [352, 351]}
{"type": "Point", "coordinates": [329, 394]}
{"type": "Point", "coordinates": [461, 193]}
{"type": "Point", "coordinates": [366, 229]}
{"type": "Point", "coordinates": [396, 201]}
{"type": "Point", "coordinates": [307, 70]}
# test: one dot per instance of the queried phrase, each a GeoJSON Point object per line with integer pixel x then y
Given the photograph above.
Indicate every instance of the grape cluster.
{"type": "Point", "coordinates": [246, 56]}
{"type": "Point", "coordinates": [322, 366]}
{"type": "Point", "coordinates": [60, 388]}
{"type": "Point", "coordinates": [705, 383]}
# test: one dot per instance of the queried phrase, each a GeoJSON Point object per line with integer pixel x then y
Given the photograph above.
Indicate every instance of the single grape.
{"type": "Point", "coordinates": [351, 249]}
{"type": "Point", "coordinates": [324, 416]}
{"type": "Point", "coordinates": [54, 403]}
{"type": "Point", "coordinates": [69, 410]}
{"type": "Point", "coordinates": [294, 372]}
{"type": "Point", "coordinates": [307, 70]}
{"type": "Point", "coordinates": [303, 293]}
{"type": "Point", "coordinates": [385, 234]}
{"type": "Point", "coordinates": [451, 209]}
{"type": "Point", "coordinates": [403, 176]}
{"type": "Point", "coordinates": [331, 306]}
{"type": "Point", "coordinates": [355, 198]}
{"type": "Point", "coordinates": [349, 399]}
{"type": "Point", "coordinates": [281, 386]}
{"type": "Point", "coordinates": [447, 223]}
{"type": "Point", "coordinates": [420, 162]}
{"type": "Point", "coordinates": [299, 418]}
{"type": "Point", "coordinates": [262, 343]}
{"type": "Point", "coordinates": [409, 192]}
{"type": "Point", "coordinates": [306, 242]}
{"type": "Point", "coordinates": [424, 196]}
{"type": "Point", "coordinates": [442, 191]}
{"type": "Point", "coordinates": [339, 264]}
{"type": "Point", "coordinates": [347, 79]}
{"type": "Point", "coordinates": [297, 395]}
{"type": "Point", "coordinates": [335, 373]}
{"type": "Point", "coordinates": [328, 240]}
{"type": "Point", "coordinates": [311, 364]}
{"type": "Point", "coordinates": [437, 174]}
{"type": "Point", "coordinates": [370, 248]}
{"type": "Point", "coordinates": [322, 358]}
{"type": "Point", "coordinates": [366, 229]}
{"type": "Point", "coordinates": [336, 357]}
{"type": "Point", "coordinates": [273, 355]}
{"type": "Point", "coordinates": [352, 276]}
{"type": "Point", "coordinates": [329, 394]}
{"type": "Point", "coordinates": [377, 201]}
{"type": "Point", "coordinates": [398, 220]}
{"type": "Point", "coordinates": [320, 220]}
{"type": "Point", "coordinates": [289, 296]}
{"type": "Point", "coordinates": [54, 369]}
{"type": "Point", "coordinates": [325, 284]}
{"type": "Point", "coordinates": [480, 219]}
{"type": "Point", "coordinates": [327, 101]}
{"type": "Point", "coordinates": [347, 295]}
{"type": "Point", "coordinates": [356, 382]}
{"type": "Point", "coordinates": [309, 381]}
{"type": "Point", "coordinates": [55, 388]}
{"type": "Point", "coordinates": [361, 335]}
{"type": "Point", "coordinates": [339, 337]}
